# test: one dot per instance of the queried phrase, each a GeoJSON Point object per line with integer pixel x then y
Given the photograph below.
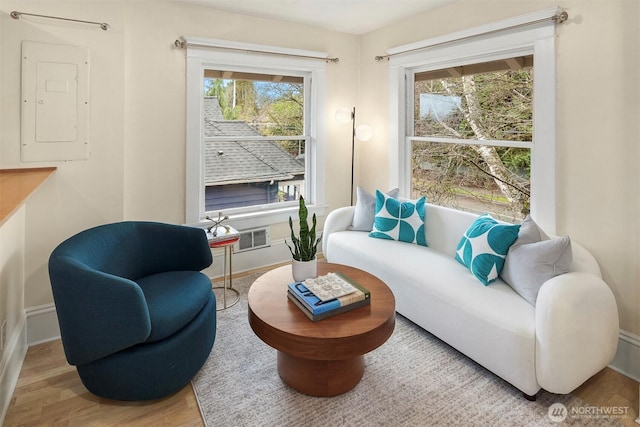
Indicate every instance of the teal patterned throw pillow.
{"type": "Point", "coordinates": [484, 247]}
{"type": "Point", "coordinates": [396, 220]}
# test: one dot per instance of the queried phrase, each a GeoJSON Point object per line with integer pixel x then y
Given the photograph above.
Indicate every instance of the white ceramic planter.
{"type": "Point", "coordinates": [304, 269]}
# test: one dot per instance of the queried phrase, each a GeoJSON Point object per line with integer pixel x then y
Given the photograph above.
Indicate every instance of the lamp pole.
{"type": "Point", "coordinates": [353, 146]}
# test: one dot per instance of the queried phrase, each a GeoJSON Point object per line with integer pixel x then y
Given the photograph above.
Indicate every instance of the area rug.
{"type": "Point", "coordinates": [414, 379]}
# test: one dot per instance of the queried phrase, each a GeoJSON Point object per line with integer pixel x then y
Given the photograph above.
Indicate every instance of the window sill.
{"type": "Point", "coordinates": [266, 217]}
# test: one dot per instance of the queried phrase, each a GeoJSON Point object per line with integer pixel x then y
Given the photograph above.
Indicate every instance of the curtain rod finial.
{"type": "Point", "coordinates": [562, 17]}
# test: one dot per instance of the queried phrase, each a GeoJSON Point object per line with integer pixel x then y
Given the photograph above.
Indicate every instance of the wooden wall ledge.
{"type": "Point", "coordinates": [16, 185]}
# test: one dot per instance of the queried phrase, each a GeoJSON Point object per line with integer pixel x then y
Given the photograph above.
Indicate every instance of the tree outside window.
{"type": "Point", "coordinates": [472, 137]}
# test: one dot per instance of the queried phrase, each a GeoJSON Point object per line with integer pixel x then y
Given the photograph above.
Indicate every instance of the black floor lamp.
{"type": "Point", "coordinates": [362, 132]}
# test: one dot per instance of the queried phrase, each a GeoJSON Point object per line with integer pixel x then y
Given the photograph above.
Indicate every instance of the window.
{"type": "Point", "coordinates": [252, 132]}
{"type": "Point", "coordinates": [471, 137]}
{"type": "Point", "coordinates": [475, 123]}
{"type": "Point", "coordinates": [254, 139]}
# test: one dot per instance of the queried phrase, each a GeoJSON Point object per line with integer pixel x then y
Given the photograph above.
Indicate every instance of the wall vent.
{"type": "Point", "coordinates": [253, 239]}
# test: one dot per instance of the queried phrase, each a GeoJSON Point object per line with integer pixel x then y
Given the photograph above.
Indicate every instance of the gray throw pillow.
{"type": "Point", "coordinates": [530, 232]}
{"type": "Point", "coordinates": [533, 259]}
{"type": "Point", "coordinates": [366, 209]}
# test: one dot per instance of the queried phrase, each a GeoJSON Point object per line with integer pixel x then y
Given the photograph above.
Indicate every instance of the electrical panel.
{"type": "Point", "coordinates": [55, 102]}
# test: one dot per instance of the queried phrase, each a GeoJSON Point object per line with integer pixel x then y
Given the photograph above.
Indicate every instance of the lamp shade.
{"type": "Point", "coordinates": [343, 115]}
{"type": "Point", "coordinates": [364, 132]}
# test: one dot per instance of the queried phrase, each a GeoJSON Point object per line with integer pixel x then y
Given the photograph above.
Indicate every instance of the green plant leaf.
{"type": "Point", "coordinates": [304, 246]}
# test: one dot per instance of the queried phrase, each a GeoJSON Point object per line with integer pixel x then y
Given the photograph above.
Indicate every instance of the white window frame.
{"type": "Point", "coordinates": [524, 35]}
{"type": "Point", "coordinates": [211, 54]}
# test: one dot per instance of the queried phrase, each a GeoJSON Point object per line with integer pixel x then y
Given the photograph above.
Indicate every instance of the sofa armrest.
{"type": "Point", "coordinates": [577, 330]}
{"type": "Point", "coordinates": [338, 220]}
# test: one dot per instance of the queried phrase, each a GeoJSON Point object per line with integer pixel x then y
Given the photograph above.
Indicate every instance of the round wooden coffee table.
{"type": "Point", "coordinates": [323, 358]}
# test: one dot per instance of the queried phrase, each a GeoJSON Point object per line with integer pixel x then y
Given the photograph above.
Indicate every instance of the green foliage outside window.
{"type": "Point", "coordinates": [487, 106]}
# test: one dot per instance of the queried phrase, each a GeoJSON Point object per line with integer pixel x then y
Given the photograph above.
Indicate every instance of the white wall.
{"type": "Point", "coordinates": [155, 103]}
{"type": "Point", "coordinates": [81, 193]}
{"type": "Point", "coordinates": [598, 123]}
{"type": "Point", "coordinates": [137, 165]}
{"type": "Point", "coordinates": [155, 97]}
{"type": "Point", "coordinates": [598, 138]}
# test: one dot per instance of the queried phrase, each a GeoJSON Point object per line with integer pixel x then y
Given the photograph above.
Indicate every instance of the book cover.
{"type": "Point", "coordinates": [324, 315]}
{"type": "Point", "coordinates": [222, 234]}
{"type": "Point", "coordinates": [329, 286]}
{"type": "Point", "coordinates": [316, 306]}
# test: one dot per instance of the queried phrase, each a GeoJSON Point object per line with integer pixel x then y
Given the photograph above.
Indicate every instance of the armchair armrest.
{"type": "Point", "coordinates": [99, 314]}
{"type": "Point", "coordinates": [576, 330]}
{"type": "Point", "coordinates": [338, 220]}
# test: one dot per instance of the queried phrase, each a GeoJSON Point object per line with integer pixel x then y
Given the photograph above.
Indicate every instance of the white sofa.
{"type": "Point", "coordinates": [568, 336]}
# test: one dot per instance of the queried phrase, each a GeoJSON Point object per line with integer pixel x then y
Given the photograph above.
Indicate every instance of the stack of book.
{"type": "Point", "coordinates": [221, 235]}
{"type": "Point", "coordinates": [328, 295]}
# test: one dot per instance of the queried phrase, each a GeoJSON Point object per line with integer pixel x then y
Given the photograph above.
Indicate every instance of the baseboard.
{"type": "Point", "coordinates": [42, 324]}
{"type": "Point", "coordinates": [276, 253]}
{"type": "Point", "coordinates": [627, 360]}
{"type": "Point", "coordinates": [11, 364]}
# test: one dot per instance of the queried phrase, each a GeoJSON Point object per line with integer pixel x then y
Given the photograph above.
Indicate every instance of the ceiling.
{"type": "Point", "coordinates": [349, 16]}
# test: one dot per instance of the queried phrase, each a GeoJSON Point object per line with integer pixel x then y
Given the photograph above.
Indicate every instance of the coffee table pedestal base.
{"type": "Point", "coordinates": [320, 377]}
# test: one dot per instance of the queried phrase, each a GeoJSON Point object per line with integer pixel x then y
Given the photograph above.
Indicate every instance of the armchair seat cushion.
{"type": "Point", "coordinates": [174, 299]}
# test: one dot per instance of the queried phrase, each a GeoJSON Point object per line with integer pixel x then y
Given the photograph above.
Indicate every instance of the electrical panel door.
{"type": "Point", "coordinates": [55, 102]}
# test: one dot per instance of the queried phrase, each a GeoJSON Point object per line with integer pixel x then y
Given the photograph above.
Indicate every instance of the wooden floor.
{"type": "Point", "coordinates": [49, 393]}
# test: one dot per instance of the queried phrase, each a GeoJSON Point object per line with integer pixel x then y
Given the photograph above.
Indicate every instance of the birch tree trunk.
{"type": "Point", "coordinates": [497, 169]}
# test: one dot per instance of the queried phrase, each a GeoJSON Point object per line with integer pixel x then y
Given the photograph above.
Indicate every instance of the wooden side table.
{"type": "Point", "coordinates": [226, 241]}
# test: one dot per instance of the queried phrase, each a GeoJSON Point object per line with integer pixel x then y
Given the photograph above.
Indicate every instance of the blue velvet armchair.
{"type": "Point", "coordinates": [137, 317]}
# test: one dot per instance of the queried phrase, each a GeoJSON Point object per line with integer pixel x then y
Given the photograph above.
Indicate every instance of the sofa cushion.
{"type": "Point", "coordinates": [173, 299]}
{"type": "Point", "coordinates": [484, 246]}
{"type": "Point", "coordinates": [399, 220]}
{"type": "Point", "coordinates": [366, 209]}
{"type": "Point", "coordinates": [533, 259]}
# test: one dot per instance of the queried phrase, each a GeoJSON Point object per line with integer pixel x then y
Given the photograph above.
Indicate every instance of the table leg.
{"type": "Point", "coordinates": [224, 279]}
{"type": "Point", "coordinates": [320, 377]}
{"type": "Point", "coordinates": [224, 286]}
{"type": "Point", "coordinates": [230, 265]}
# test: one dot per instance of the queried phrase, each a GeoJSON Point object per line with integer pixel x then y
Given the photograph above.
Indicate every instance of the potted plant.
{"type": "Point", "coordinates": [305, 245]}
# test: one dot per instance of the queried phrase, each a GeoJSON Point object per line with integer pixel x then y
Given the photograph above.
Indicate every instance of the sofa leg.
{"type": "Point", "coordinates": [529, 398]}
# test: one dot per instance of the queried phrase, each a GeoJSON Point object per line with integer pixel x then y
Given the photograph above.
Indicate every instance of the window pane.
{"type": "Point", "coordinates": [487, 106]}
{"type": "Point", "coordinates": [491, 106]}
{"type": "Point", "coordinates": [249, 173]}
{"type": "Point", "coordinates": [456, 175]}
{"type": "Point", "coordinates": [241, 171]}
